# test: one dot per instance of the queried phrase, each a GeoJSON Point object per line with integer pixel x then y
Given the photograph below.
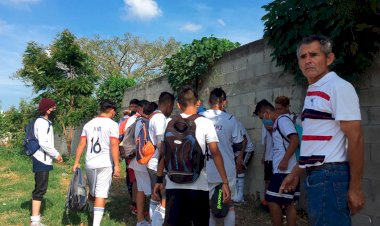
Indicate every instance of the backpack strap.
{"type": "Point", "coordinates": [279, 130]}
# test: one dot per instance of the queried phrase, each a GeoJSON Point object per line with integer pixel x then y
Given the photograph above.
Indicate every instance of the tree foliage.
{"type": "Point", "coordinates": [353, 26]}
{"type": "Point", "coordinates": [113, 88]}
{"type": "Point", "coordinates": [63, 72]}
{"type": "Point", "coordinates": [194, 60]}
{"type": "Point", "coordinates": [129, 55]}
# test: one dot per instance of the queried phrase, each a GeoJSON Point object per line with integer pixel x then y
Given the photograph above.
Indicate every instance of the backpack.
{"type": "Point", "coordinates": [183, 156]}
{"type": "Point", "coordinates": [127, 147]}
{"type": "Point", "coordinates": [77, 195]}
{"type": "Point", "coordinates": [144, 146]}
{"type": "Point", "coordinates": [299, 130]}
{"type": "Point", "coordinates": [30, 143]}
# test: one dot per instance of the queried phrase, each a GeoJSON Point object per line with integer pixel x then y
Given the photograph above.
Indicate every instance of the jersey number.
{"type": "Point", "coordinates": [96, 148]}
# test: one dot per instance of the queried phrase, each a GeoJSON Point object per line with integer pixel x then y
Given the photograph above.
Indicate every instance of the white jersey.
{"type": "Point", "coordinates": [99, 132]}
{"type": "Point", "coordinates": [228, 133]}
{"type": "Point", "coordinates": [243, 131]}
{"type": "Point", "coordinates": [286, 126]}
{"type": "Point", "coordinates": [157, 126]}
{"type": "Point", "coordinates": [328, 101]}
{"type": "Point", "coordinates": [43, 130]}
{"type": "Point", "coordinates": [266, 139]}
{"type": "Point", "coordinates": [205, 133]}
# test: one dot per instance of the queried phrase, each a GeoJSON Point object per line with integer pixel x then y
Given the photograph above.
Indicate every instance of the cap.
{"type": "Point", "coordinates": [46, 104]}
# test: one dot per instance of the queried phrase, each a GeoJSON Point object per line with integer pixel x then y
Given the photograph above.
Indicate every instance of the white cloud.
{"type": "Point", "coordinates": [141, 9]}
{"type": "Point", "coordinates": [221, 22]}
{"type": "Point", "coordinates": [19, 4]}
{"type": "Point", "coordinates": [191, 27]}
{"type": "Point", "coordinates": [5, 27]}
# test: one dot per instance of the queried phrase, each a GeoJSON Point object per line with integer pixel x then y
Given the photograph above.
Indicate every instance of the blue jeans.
{"type": "Point", "coordinates": [327, 196]}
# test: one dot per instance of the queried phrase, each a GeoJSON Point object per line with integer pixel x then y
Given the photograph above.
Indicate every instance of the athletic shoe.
{"type": "Point", "coordinates": [243, 202]}
{"type": "Point", "coordinates": [36, 224]}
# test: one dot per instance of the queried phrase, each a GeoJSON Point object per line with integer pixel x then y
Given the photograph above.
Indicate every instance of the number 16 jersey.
{"type": "Point", "coordinates": [99, 132]}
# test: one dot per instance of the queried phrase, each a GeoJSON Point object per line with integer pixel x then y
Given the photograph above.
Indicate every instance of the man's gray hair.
{"type": "Point", "coordinates": [326, 43]}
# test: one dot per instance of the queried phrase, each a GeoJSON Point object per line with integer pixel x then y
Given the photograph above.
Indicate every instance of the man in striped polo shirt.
{"type": "Point", "coordinates": [332, 149]}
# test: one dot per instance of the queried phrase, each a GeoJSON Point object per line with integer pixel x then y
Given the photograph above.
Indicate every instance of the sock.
{"type": "Point", "coordinates": [152, 206]}
{"type": "Point", "coordinates": [229, 220]}
{"type": "Point", "coordinates": [212, 220]}
{"type": "Point", "coordinates": [239, 188]}
{"type": "Point", "coordinates": [35, 219]}
{"type": "Point", "coordinates": [158, 216]}
{"type": "Point", "coordinates": [98, 215]}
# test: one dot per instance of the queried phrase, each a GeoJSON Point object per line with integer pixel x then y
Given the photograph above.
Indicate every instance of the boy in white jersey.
{"type": "Point", "coordinates": [43, 157]}
{"type": "Point", "coordinates": [284, 160]}
{"type": "Point", "coordinates": [229, 134]}
{"type": "Point", "coordinates": [188, 203]}
{"type": "Point", "coordinates": [157, 126]}
{"type": "Point", "coordinates": [101, 135]}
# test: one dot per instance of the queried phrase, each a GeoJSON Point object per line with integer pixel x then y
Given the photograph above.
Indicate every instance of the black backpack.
{"type": "Point", "coordinates": [31, 144]}
{"type": "Point", "coordinates": [76, 199]}
{"type": "Point", "coordinates": [183, 156]}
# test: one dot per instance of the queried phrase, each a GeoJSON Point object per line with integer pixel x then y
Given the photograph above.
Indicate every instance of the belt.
{"type": "Point", "coordinates": [327, 165]}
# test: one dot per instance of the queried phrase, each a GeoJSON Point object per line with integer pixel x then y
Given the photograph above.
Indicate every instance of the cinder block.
{"type": "Point", "coordinates": [375, 188]}
{"type": "Point", "coordinates": [375, 221]}
{"type": "Point", "coordinates": [275, 69]}
{"type": "Point", "coordinates": [374, 115]}
{"type": "Point", "coordinates": [374, 150]}
{"type": "Point", "coordinates": [371, 171]}
{"type": "Point", "coordinates": [241, 111]}
{"type": "Point", "coordinates": [240, 63]}
{"type": "Point", "coordinates": [369, 97]}
{"type": "Point", "coordinates": [231, 78]}
{"type": "Point", "coordinates": [361, 220]}
{"type": "Point", "coordinates": [262, 69]}
{"type": "Point", "coordinates": [364, 114]}
{"type": "Point", "coordinates": [246, 74]}
{"type": "Point", "coordinates": [367, 188]}
{"type": "Point", "coordinates": [371, 208]}
{"type": "Point", "coordinates": [255, 58]}
{"type": "Point", "coordinates": [371, 133]}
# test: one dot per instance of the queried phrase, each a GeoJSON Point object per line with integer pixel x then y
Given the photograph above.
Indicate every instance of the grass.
{"type": "Point", "coordinates": [17, 184]}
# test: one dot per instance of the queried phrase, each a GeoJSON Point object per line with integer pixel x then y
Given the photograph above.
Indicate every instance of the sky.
{"type": "Point", "coordinates": [23, 21]}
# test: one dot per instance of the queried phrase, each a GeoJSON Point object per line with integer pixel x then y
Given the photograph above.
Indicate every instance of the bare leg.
{"type": "Point", "coordinates": [140, 197]}
{"type": "Point", "coordinates": [275, 213]}
{"type": "Point", "coordinates": [291, 215]}
{"type": "Point", "coordinates": [36, 206]}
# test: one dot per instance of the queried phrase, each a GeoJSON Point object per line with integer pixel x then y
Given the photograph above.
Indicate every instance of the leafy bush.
{"type": "Point", "coordinates": [194, 60]}
{"type": "Point", "coordinates": [352, 25]}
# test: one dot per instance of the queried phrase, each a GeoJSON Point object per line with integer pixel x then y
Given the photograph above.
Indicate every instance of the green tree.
{"type": "Point", "coordinates": [194, 60]}
{"type": "Point", "coordinates": [129, 55]}
{"type": "Point", "coordinates": [62, 71]}
{"type": "Point", "coordinates": [113, 88]}
{"type": "Point", "coordinates": [353, 25]}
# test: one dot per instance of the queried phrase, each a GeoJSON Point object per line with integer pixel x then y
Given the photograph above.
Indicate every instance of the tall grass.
{"type": "Point", "coordinates": [17, 184]}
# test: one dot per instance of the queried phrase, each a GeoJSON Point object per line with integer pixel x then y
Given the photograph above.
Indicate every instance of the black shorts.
{"type": "Point", "coordinates": [185, 207]}
{"type": "Point", "coordinates": [273, 194]}
{"type": "Point", "coordinates": [41, 184]}
{"type": "Point", "coordinates": [268, 170]}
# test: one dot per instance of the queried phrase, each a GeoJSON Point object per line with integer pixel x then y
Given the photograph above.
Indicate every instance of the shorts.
{"type": "Point", "coordinates": [285, 198]}
{"type": "Point", "coordinates": [143, 182]}
{"type": "Point", "coordinates": [231, 184]}
{"type": "Point", "coordinates": [268, 170]}
{"type": "Point", "coordinates": [247, 157]}
{"type": "Point", "coordinates": [99, 181]}
{"type": "Point", "coordinates": [41, 184]}
{"type": "Point", "coordinates": [153, 180]}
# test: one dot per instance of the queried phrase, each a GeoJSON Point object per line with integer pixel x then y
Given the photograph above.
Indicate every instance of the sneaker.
{"type": "Point", "coordinates": [240, 203]}
{"type": "Point", "coordinates": [143, 223]}
{"type": "Point", "coordinates": [37, 224]}
{"type": "Point", "coordinates": [133, 209]}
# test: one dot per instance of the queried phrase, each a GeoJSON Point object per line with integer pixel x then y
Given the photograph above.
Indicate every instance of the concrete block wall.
{"type": "Point", "coordinates": [248, 75]}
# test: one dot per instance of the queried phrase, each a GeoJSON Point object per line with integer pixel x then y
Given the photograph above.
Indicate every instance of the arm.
{"type": "Point", "coordinates": [293, 144]}
{"type": "Point", "coordinates": [160, 173]}
{"type": "Point", "coordinates": [239, 160]}
{"type": "Point", "coordinates": [79, 151]}
{"type": "Point", "coordinates": [353, 132]}
{"type": "Point", "coordinates": [291, 181]}
{"type": "Point", "coordinates": [218, 160]}
{"type": "Point", "coordinates": [115, 155]}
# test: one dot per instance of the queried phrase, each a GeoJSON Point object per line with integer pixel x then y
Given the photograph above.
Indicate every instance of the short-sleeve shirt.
{"type": "Point", "coordinates": [280, 145]}
{"type": "Point", "coordinates": [328, 101]}
{"type": "Point", "coordinates": [228, 132]}
{"type": "Point", "coordinates": [266, 139]}
{"type": "Point", "coordinates": [205, 133]}
{"type": "Point", "coordinates": [157, 126]}
{"type": "Point", "coordinates": [99, 132]}
{"type": "Point", "coordinates": [243, 131]}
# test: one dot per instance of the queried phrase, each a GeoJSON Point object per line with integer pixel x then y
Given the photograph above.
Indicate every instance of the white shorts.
{"type": "Point", "coordinates": [231, 184]}
{"type": "Point", "coordinates": [143, 182]}
{"type": "Point", "coordinates": [99, 181]}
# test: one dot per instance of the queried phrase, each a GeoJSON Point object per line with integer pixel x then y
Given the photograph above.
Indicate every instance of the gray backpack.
{"type": "Point", "coordinates": [128, 145]}
{"type": "Point", "coordinates": [76, 199]}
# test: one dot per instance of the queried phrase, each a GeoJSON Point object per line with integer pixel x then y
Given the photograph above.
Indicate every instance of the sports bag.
{"type": "Point", "coordinates": [30, 143]}
{"type": "Point", "coordinates": [144, 145]}
{"type": "Point", "coordinates": [77, 195]}
{"type": "Point", "coordinates": [127, 147]}
{"type": "Point", "coordinates": [183, 156]}
{"type": "Point", "coordinates": [218, 208]}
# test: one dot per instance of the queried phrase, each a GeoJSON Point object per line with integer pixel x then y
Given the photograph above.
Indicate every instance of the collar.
{"type": "Point", "coordinates": [326, 78]}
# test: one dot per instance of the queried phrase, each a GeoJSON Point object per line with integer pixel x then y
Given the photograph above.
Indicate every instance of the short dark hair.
{"type": "Point", "coordinates": [142, 103]}
{"type": "Point", "coordinates": [326, 43]}
{"type": "Point", "coordinates": [217, 96]}
{"type": "Point", "coordinates": [149, 108]}
{"type": "Point", "coordinates": [262, 103]}
{"type": "Point", "coordinates": [106, 105]}
{"type": "Point", "coordinates": [134, 101]}
{"type": "Point", "coordinates": [283, 100]}
{"type": "Point", "coordinates": [166, 98]}
{"type": "Point", "coordinates": [187, 96]}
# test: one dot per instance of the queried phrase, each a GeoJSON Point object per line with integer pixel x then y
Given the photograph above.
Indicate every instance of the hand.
{"type": "Point", "coordinates": [356, 200]}
{"type": "Point", "coordinates": [76, 165]}
{"type": "Point", "coordinates": [116, 171]}
{"type": "Point", "coordinates": [157, 190]}
{"type": "Point", "coordinates": [59, 159]}
{"type": "Point", "coordinates": [289, 183]}
{"type": "Point", "coordinates": [283, 165]}
{"type": "Point", "coordinates": [239, 164]}
{"type": "Point", "coordinates": [226, 193]}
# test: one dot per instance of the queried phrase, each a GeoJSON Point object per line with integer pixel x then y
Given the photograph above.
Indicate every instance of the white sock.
{"type": "Point", "coordinates": [158, 216]}
{"type": "Point", "coordinates": [98, 215]}
{"type": "Point", "coordinates": [212, 220]}
{"type": "Point", "coordinates": [35, 219]}
{"type": "Point", "coordinates": [229, 220]}
{"type": "Point", "coordinates": [152, 206]}
{"type": "Point", "coordinates": [240, 188]}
